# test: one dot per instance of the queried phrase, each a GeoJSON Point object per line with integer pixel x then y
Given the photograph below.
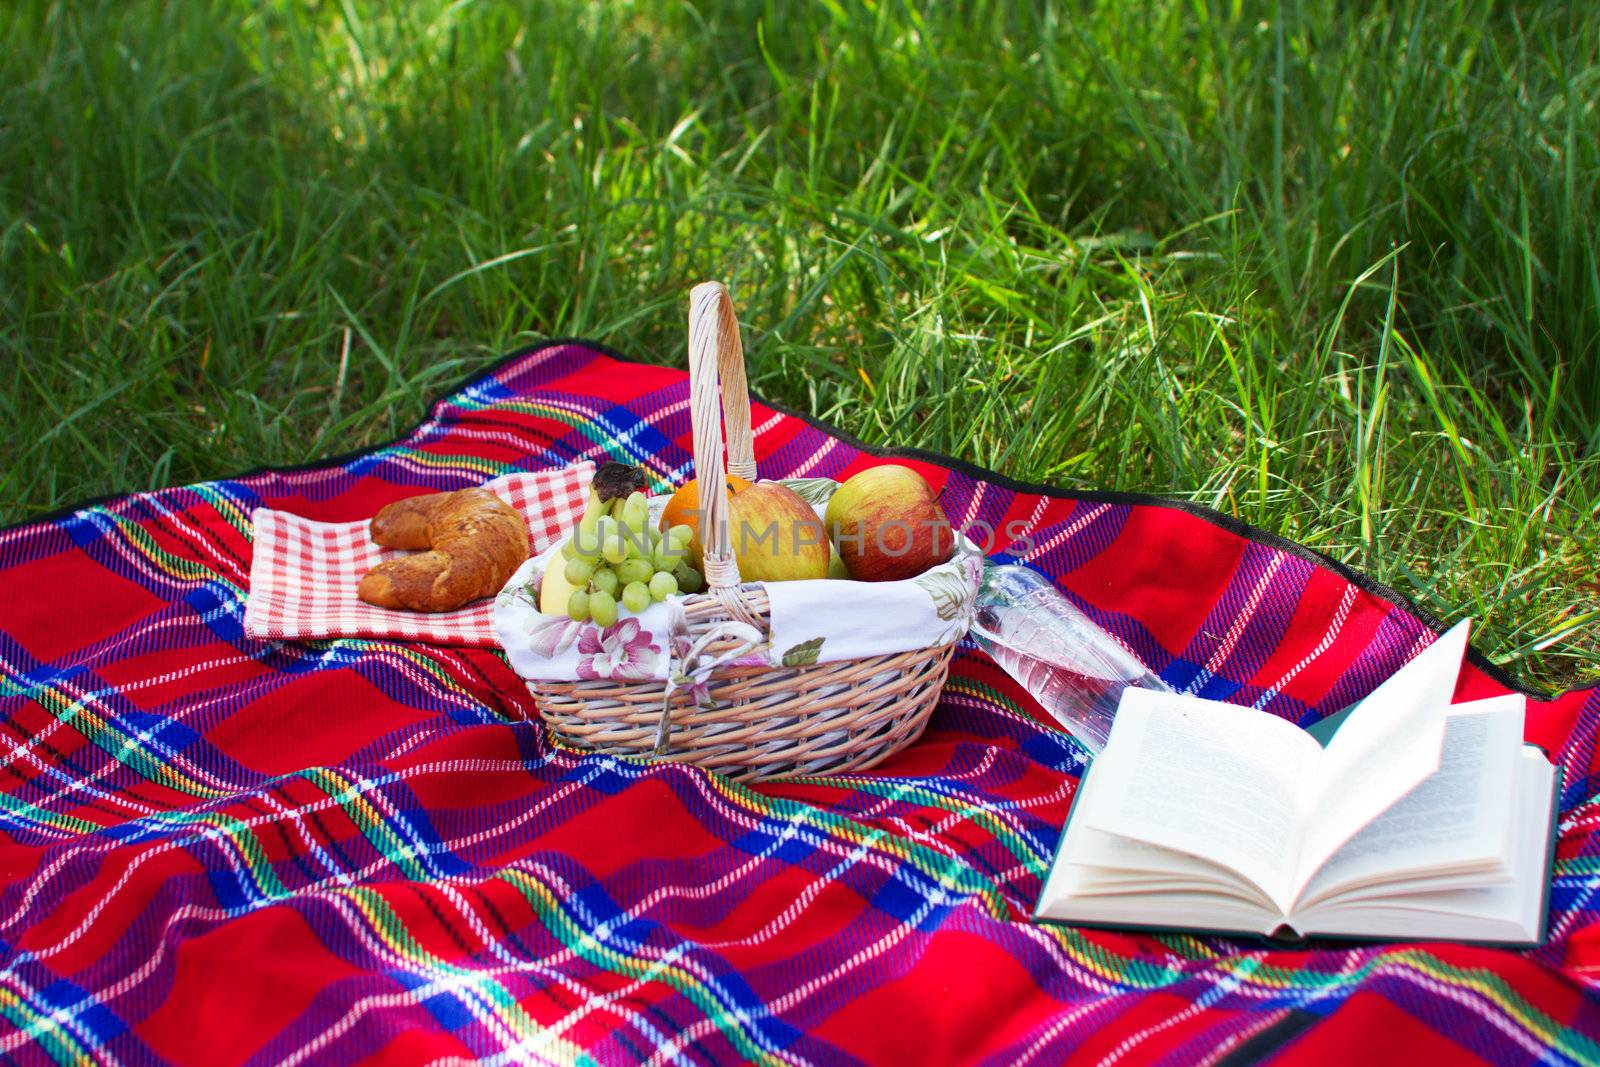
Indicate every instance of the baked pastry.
{"type": "Point", "coordinates": [474, 540]}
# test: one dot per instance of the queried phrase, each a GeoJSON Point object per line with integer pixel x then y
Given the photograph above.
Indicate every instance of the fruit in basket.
{"type": "Point", "coordinates": [602, 608]}
{"type": "Point", "coordinates": [606, 581]}
{"type": "Point", "coordinates": [554, 588]}
{"type": "Point", "coordinates": [684, 509]}
{"type": "Point", "coordinates": [689, 580]}
{"type": "Point", "coordinates": [633, 570]}
{"type": "Point", "coordinates": [887, 525]}
{"type": "Point", "coordinates": [585, 540]}
{"type": "Point", "coordinates": [617, 481]}
{"type": "Point", "coordinates": [613, 559]}
{"type": "Point", "coordinates": [662, 585]}
{"type": "Point", "coordinates": [578, 571]}
{"type": "Point", "coordinates": [614, 538]}
{"type": "Point", "coordinates": [775, 536]}
{"type": "Point", "coordinates": [836, 567]}
{"type": "Point", "coordinates": [635, 512]}
{"type": "Point", "coordinates": [636, 596]}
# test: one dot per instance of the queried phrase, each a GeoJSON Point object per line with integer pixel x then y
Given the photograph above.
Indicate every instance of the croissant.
{"type": "Point", "coordinates": [475, 542]}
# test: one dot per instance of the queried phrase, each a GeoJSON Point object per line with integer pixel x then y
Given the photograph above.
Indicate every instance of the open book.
{"type": "Point", "coordinates": [1419, 819]}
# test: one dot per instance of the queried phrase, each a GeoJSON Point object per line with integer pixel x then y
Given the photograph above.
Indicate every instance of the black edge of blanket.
{"type": "Point", "coordinates": [1107, 496]}
{"type": "Point", "coordinates": [1309, 943]}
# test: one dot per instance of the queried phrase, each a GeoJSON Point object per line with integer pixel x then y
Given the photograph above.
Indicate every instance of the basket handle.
{"type": "Point", "coordinates": [719, 403]}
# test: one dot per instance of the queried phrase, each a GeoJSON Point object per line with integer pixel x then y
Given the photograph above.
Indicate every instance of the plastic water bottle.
{"type": "Point", "coordinates": [1073, 668]}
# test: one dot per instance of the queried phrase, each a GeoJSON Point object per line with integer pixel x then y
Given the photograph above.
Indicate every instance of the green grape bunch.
{"type": "Point", "coordinates": [617, 560]}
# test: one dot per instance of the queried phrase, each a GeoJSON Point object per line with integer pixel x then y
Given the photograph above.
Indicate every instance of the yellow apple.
{"type": "Point", "coordinates": [775, 536]}
{"type": "Point", "coordinates": [555, 590]}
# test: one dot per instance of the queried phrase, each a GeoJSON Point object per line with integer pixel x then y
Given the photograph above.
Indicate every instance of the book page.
{"type": "Point", "coordinates": [1176, 910]}
{"type": "Point", "coordinates": [1387, 745]}
{"type": "Point", "coordinates": [1209, 779]}
{"type": "Point", "coordinates": [1111, 864]}
{"type": "Point", "coordinates": [1504, 911]}
{"type": "Point", "coordinates": [1454, 821]}
{"type": "Point", "coordinates": [1070, 897]}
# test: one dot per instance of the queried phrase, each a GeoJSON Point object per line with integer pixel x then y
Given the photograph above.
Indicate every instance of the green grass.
{"type": "Point", "coordinates": [1330, 268]}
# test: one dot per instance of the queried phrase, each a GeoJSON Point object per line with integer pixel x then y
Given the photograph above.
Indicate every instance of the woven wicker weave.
{"type": "Point", "coordinates": [767, 721]}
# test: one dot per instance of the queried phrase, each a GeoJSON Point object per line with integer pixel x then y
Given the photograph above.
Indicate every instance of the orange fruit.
{"type": "Point", "coordinates": [684, 509]}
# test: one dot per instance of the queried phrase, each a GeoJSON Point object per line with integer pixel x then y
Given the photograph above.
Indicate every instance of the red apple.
{"type": "Point", "coordinates": [887, 525]}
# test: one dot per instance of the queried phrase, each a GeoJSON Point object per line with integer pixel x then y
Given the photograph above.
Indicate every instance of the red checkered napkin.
{"type": "Point", "coordinates": [303, 575]}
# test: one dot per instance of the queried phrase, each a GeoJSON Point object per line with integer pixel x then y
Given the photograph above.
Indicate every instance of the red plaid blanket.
{"type": "Point", "coordinates": [218, 849]}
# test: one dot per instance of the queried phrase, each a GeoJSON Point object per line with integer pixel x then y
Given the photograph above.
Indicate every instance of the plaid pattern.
{"type": "Point", "coordinates": [304, 574]}
{"type": "Point", "coordinates": [217, 849]}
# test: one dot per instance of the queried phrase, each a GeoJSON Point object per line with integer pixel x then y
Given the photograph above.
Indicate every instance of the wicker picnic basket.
{"type": "Point", "coordinates": [766, 721]}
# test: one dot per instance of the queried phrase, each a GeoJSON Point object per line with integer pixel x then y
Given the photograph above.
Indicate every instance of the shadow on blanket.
{"type": "Point", "coordinates": [216, 849]}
